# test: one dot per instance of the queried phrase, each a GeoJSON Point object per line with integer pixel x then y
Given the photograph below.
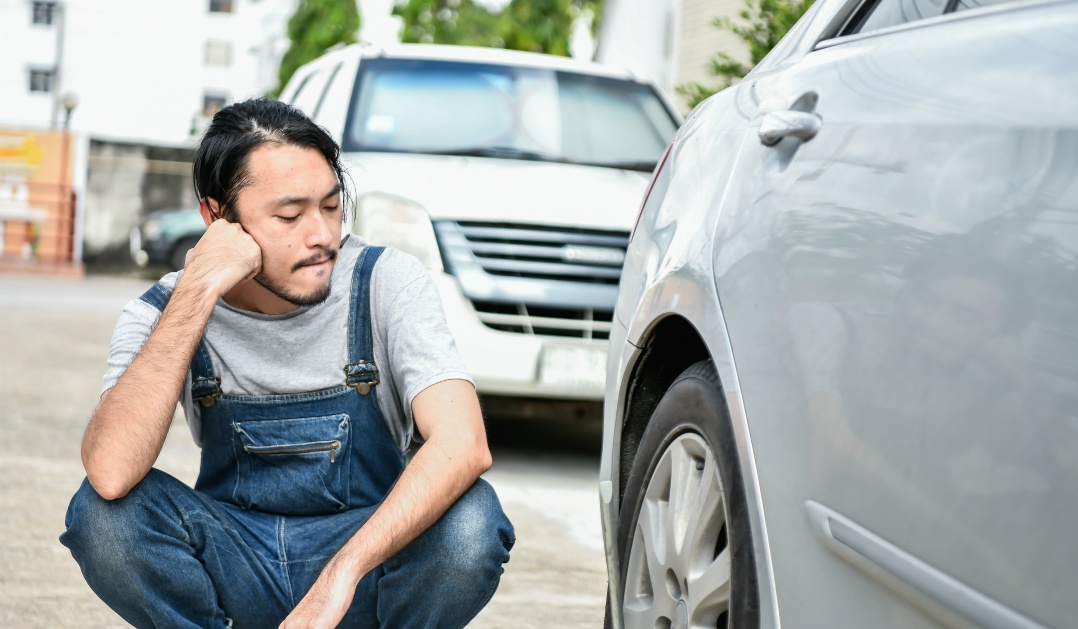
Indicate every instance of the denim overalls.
{"type": "Point", "coordinates": [309, 453]}
{"type": "Point", "coordinates": [285, 480]}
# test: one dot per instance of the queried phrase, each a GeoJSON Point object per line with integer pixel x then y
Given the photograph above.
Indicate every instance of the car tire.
{"type": "Point", "coordinates": [179, 253]}
{"type": "Point", "coordinates": [689, 561]}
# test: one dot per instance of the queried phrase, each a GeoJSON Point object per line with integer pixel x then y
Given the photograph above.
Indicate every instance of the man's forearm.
{"type": "Point", "coordinates": [439, 473]}
{"type": "Point", "coordinates": [129, 425]}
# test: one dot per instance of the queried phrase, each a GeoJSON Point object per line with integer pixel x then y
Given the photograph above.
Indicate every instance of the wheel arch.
{"type": "Point", "coordinates": [669, 348]}
{"type": "Point", "coordinates": [666, 348]}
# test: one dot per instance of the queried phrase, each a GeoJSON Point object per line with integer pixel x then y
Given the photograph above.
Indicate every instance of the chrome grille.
{"type": "Point", "coordinates": [543, 321]}
{"type": "Point", "coordinates": [557, 253]}
{"type": "Point", "coordinates": [538, 280]}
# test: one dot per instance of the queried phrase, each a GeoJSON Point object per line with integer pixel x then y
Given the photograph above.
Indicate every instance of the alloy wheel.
{"type": "Point", "coordinates": [679, 567]}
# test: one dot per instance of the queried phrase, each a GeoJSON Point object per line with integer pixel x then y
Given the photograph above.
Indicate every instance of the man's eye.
{"type": "Point", "coordinates": [288, 219]}
{"type": "Point", "coordinates": [331, 208]}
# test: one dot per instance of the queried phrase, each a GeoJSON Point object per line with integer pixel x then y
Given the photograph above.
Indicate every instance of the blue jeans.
{"type": "Point", "coordinates": [166, 555]}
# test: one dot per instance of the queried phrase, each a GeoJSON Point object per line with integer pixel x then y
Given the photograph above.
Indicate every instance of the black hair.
{"type": "Point", "coordinates": [221, 164]}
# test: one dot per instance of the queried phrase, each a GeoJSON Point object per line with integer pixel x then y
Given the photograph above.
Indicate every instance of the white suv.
{"type": "Point", "coordinates": [515, 178]}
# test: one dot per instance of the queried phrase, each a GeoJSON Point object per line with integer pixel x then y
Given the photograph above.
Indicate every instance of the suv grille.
{"type": "Point", "coordinates": [557, 253]}
{"type": "Point", "coordinates": [541, 280]}
{"type": "Point", "coordinates": [570, 322]}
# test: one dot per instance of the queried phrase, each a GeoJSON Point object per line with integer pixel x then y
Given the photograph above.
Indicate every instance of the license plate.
{"type": "Point", "coordinates": [578, 369]}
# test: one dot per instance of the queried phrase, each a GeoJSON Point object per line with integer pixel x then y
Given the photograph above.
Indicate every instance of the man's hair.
{"type": "Point", "coordinates": [221, 165]}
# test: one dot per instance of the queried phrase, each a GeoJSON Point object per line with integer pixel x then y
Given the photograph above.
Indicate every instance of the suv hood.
{"type": "Point", "coordinates": [504, 190]}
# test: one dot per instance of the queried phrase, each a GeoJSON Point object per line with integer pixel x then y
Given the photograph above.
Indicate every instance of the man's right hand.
{"type": "Point", "coordinates": [224, 257]}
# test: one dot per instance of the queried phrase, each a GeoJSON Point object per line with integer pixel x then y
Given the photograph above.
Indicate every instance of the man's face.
{"type": "Point", "coordinates": [292, 209]}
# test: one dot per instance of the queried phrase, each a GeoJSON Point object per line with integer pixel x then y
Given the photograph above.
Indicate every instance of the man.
{"type": "Point", "coordinates": [303, 361]}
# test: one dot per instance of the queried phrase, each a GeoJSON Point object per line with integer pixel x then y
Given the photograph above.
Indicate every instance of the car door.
{"type": "Point", "coordinates": [896, 259]}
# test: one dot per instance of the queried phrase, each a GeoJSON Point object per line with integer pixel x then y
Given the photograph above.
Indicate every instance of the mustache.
{"type": "Point", "coordinates": [327, 254]}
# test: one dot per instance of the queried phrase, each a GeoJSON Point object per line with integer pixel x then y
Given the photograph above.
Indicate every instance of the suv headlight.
{"type": "Point", "coordinates": [395, 222]}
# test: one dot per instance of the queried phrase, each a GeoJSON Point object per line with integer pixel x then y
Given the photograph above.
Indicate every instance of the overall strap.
{"type": "Point", "coordinates": [205, 385]}
{"type": "Point", "coordinates": [361, 373]}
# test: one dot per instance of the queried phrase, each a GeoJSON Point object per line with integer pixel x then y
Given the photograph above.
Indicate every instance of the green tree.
{"type": "Point", "coordinates": [763, 23]}
{"type": "Point", "coordinates": [458, 22]}
{"type": "Point", "coordinates": [531, 25]}
{"type": "Point", "coordinates": [316, 26]}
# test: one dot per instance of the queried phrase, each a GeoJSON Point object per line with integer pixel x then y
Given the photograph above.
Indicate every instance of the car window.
{"type": "Point", "coordinates": [322, 93]}
{"type": "Point", "coordinates": [429, 106]}
{"type": "Point", "coordinates": [876, 14]}
{"type": "Point", "coordinates": [962, 5]}
{"type": "Point", "coordinates": [310, 92]}
{"type": "Point", "coordinates": [883, 13]}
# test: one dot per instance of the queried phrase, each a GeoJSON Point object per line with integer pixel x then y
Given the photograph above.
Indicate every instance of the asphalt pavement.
{"type": "Point", "coordinates": [54, 335]}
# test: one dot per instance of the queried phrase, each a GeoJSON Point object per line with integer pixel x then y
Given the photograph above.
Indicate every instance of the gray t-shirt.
{"type": "Point", "coordinates": [307, 349]}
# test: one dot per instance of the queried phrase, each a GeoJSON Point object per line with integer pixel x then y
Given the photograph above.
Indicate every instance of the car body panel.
{"type": "Point", "coordinates": [932, 197]}
{"type": "Point", "coordinates": [487, 189]}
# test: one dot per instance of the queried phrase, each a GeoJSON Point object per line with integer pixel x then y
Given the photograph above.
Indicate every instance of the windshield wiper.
{"type": "Point", "coordinates": [643, 166]}
{"type": "Point", "coordinates": [507, 152]}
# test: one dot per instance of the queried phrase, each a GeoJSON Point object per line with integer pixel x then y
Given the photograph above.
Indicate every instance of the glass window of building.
{"type": "Point", "coordinates": [41, 79]}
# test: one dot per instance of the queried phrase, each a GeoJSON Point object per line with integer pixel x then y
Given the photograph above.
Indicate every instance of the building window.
{"type": "Point", "coordinates": [41, 79]}
{"type": "Point", "coordinates": [218, 53]}
{"type": "Point", "coordinates": [212, 103]}
{"type": "Point", "coordinates": [43, 13]}
{"type": "Point", "coordinates": [220, 6]}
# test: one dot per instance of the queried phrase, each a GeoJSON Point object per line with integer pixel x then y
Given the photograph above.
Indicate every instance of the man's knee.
{"type": "Point", "coordinates": [107, 529]}
{"type": "Point", "coordinates": [474, 533]}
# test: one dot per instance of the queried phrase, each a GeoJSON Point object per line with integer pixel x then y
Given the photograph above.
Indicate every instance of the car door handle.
{"type": "Point", "coordinates": [790, 123]}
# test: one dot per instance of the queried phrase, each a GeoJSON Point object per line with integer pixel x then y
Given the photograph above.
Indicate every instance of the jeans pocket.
{"type": "Point", "coordinates": [293, 466]}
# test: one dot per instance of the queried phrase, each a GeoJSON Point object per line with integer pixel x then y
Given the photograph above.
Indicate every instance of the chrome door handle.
{"type": "Point", "coordinates": [781, 124]}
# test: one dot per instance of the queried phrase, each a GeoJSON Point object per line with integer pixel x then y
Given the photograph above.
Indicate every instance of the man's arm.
{"type": "Point", "coordinates": [129, 425]}
{"type": "Point", "coordinates": [451, 459]}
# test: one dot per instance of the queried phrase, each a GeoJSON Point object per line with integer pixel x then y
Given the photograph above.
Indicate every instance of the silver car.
{"type": "Point", "coordinates": [843, 377]}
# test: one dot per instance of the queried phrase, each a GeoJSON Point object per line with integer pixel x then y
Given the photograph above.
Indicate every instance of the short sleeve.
{"type": "Point", "coordinates": [409, 319]}
{"type": "Point", "coordinates": [136, 322]}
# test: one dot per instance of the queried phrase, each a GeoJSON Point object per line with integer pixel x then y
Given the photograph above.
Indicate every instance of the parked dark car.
{"type": "Point", "coordinates": [165, 237]}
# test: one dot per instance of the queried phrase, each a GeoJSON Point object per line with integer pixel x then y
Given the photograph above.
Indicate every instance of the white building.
{"type": "Point", "coordinates": [141, 71]}
{"type": "Point", "coordinates": [668, 41]}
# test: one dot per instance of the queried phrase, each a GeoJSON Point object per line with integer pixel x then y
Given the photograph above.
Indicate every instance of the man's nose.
{"type": "Point", "coordinates": [318, 230]}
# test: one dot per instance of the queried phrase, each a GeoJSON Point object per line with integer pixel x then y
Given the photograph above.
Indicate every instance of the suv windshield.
{"type": "Point", "coordinates": [487, 110]}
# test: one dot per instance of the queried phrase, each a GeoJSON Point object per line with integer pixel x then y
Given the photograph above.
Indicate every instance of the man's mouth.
{"type": "Point", "coordinates": [320, 258]}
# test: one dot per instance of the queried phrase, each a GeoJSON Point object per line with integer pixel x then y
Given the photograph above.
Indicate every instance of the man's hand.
{"type": "Point", "coordinates": [326, 603]}
{"type": "Point", "coordinates": [453, 455]}
{"type": "Point", "coordinates": [224, 257]}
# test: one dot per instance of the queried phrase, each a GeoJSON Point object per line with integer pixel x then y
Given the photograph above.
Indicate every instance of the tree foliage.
{"type": "Point", "coordinates": [316, 26]}
{"type": "Point", "coordinates": [763, 23]}
{"type": "Point", "coordinates": [457, 22]}
{"type": "Point", "coordinates": [531, 25]}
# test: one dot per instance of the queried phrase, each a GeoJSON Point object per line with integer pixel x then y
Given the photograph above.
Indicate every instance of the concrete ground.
{"type": "Point", "coordinates": [54, 335]}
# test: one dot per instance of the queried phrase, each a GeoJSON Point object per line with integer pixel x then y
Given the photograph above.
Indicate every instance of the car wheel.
{"type": "Point", "coordinates": [179, 254]}
{"type": "Point", "coordinates": [683, 532]}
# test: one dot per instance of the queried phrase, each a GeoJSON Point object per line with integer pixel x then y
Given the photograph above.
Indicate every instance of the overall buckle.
{"type": "Point", "coordinates": [210, 398]}
{"type": "Point", "coordinates": [361, 376]}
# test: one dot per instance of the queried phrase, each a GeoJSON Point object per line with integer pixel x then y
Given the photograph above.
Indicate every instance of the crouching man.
{"type": "Point", "coordinates": [304, 361]}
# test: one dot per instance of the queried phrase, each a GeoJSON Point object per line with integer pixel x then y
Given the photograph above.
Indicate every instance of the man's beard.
{"type": "Point", "coordinates": [315, 297]}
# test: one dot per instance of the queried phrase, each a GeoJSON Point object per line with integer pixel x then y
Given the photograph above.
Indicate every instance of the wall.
{"type": "Point", "coordinates": [37, 210]}
{"type": "Point", "coordinates": [125, 182]}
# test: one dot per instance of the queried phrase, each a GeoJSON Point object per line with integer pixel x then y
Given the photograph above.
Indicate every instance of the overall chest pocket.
{"type": "Point", "coordinates": [293, 466]}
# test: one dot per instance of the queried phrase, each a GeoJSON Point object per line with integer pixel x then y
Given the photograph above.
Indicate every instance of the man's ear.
{"type": "Point", "coordinates": [209, 209]}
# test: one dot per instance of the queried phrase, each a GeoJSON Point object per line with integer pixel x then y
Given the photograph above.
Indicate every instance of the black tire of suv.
{"type": "Point", "coordinates": [694, 403]}
{"type": "Point", "coordinates": [179, 253]}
